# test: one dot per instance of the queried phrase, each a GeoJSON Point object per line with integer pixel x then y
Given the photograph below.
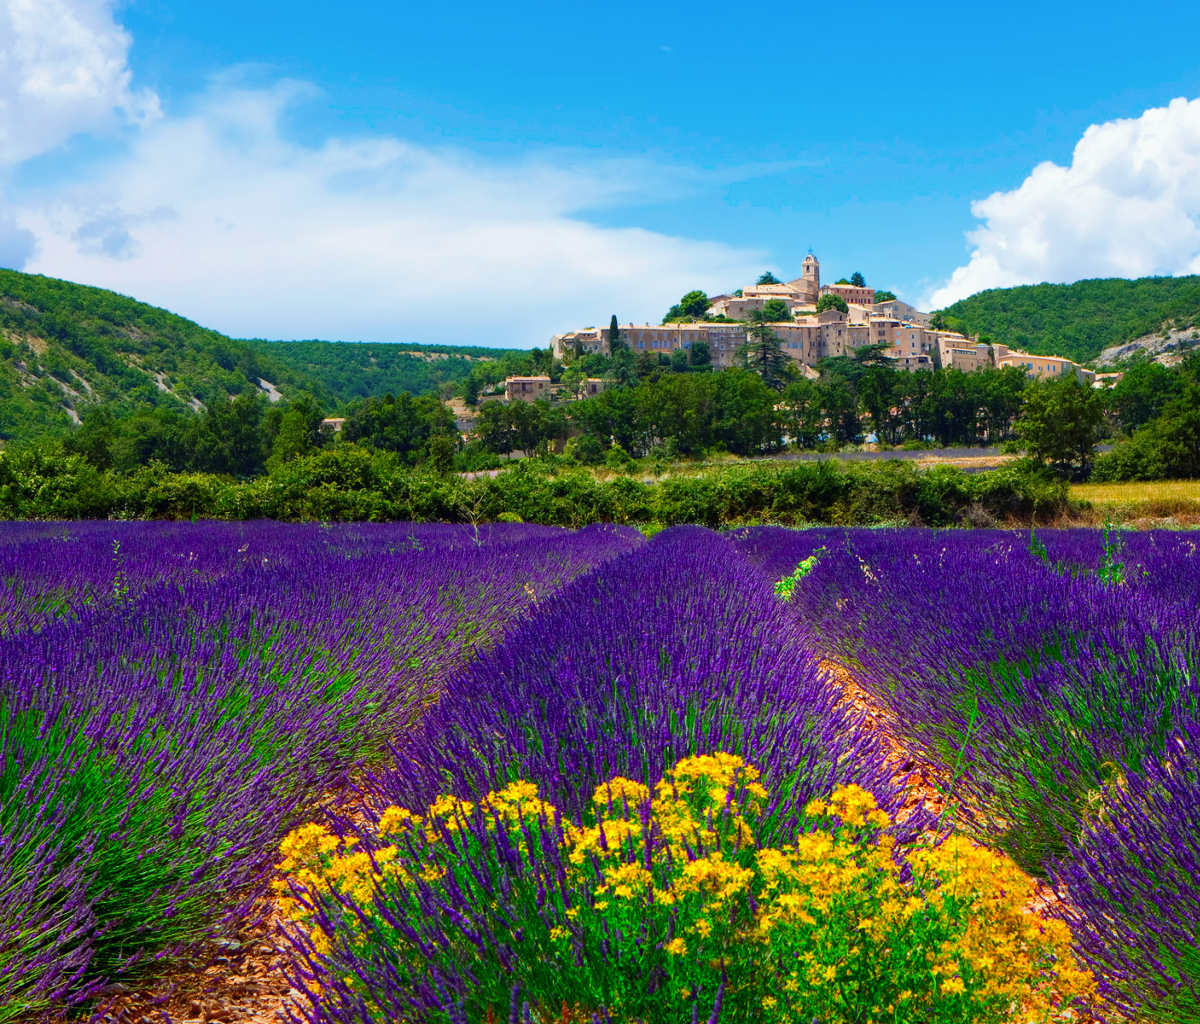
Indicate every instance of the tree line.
{"type": "Point", "coordinates": [676, 409]}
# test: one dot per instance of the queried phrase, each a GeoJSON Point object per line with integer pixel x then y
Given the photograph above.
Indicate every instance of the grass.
{"type": "Point", "coordinates": [1136, 491]}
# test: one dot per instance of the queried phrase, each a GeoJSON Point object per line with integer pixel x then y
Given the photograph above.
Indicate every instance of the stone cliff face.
{"type": "Point", "coordinates": [1167, 347]}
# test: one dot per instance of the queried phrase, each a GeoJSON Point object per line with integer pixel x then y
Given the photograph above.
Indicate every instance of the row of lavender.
{"type": "Point", "coordinates": [1053, 679]}
{"type": "Point", "coordinates": [174, 697]}
{"type": "Point", "coordinates": [677, 650]}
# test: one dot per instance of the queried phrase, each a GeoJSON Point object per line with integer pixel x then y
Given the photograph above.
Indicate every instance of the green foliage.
{"type": "Point", "coordinates": [857, 280]}
{"type": "Point", "coordinates": [1060, 423]}
{"type": "Point", "coordinates": [505, 427]}
{"type": "Point", "coordinates": [350, 482]}
{"type": "Point", "coordinates": [776, 311]}
{"type": "Point", "coordinates": [951, 407]}
{"type": "Point", "coordinates": [883, 296]}
{"type": "Point", "coordinates": [1112, 567]}
{"type": "Point", "coordinates": [831, 301]}
{"type": "Point", "coordinates": [404, 425]}
{"type": "Point", "coordinates": [615, 339]}
{"type": "Point", "coordinates": [1077, 320]}
{"type": "Point", "coordinates": [763, 350]}
{"type": "Point", "coordinates": [693, 306]}
{"type": "Point", "coordinates": [71, 346]}
{"type": "Point", "coordinates": [786, 587]}
{"type": "Point", "coordinates": [1142, 393]}
{"type": "Point", "coordinates": [1166, 448]}
{"type": "Point", "coordinates": [340, 372]}
{"type": "Point", "coordinates": [767, 278]}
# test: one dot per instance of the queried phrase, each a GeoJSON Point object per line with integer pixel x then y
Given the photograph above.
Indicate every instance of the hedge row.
{"type": "Point", "coordinates": [350, 483]}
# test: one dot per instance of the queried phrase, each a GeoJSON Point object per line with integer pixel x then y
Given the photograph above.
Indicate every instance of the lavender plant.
{"type": "Point", "coordinates": [676, 650]}
{"type": "Point", "coordinates": [156, 744]}
{"type": "Point", "coordinates": [1131, 879]}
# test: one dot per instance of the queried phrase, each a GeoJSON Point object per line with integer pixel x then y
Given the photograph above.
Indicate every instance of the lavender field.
{"type": "Point", "coordinates": [525, 773]}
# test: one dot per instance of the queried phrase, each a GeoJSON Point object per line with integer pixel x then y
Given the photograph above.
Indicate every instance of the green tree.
{"type": "Point", "coordinates": [471, 386]}
{"type": "Point", "coordinates": [572, 380]}
{"type": "Point", "coordinates": [622, 370]}
{"type": "Point", "coordinates": [877, 391]}
{"type": "Point", "coordinates": [804, 415]}
{"type": "Point", "coordinates": [831, 301]}
{"type": "Point", "coordinates": [858, 280]}
{"type": "Point", "coordinates": [1166, 448]}
{"type": "Point", "coordinates": [93, 440]}
{"type": "Point", "coordinates": [293, 440]}
{"type": "Point", "coordinates": [701, 356]}
{"type": "Point", "coordinates": [494, 428]}
{"type": "Point", "coordinates": [616, 340]}
{"type": "Point", "coordinates": [229, 437]}
{"type": "Point", "coordinates": [776, 311]}
{"type": "Point", "coordinates": [840, 409]}
{"type": "Point", "coordinates": [1061, 422]}
{"type": "Point", "coordinates": [768, 278]}
{"type": "Point", "coordinates": [694, 305]}
{"type": "Point", "coordinates": [402, 424]}
{"type": "Point", "coordinates": [763, 351]}
{"type": "Point", "coordinates": [882, 296]}
{"type": "Point", "coordinates": [441, 451]}
{"type": "Point", "coordinates": [161, 434]}
{"type": "Point", "coordinates": [1142, 393]}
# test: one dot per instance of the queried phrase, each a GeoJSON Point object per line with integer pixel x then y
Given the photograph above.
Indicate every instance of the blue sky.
{"type": "Point", "coordinates": [495, 173]}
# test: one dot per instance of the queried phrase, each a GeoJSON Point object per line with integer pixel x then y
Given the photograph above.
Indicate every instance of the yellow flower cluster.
{"type": "Point", "coordinates": [816, 918]}
{"type": "Point", "coordinates": [1003, 944]}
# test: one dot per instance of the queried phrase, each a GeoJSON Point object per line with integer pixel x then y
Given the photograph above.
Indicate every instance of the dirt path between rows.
{"type": "Point", "coordinates": [924, 790]}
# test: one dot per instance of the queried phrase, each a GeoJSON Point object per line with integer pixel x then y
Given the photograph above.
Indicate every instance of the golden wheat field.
{"type": "Point", "coordinates": [1134, 491]}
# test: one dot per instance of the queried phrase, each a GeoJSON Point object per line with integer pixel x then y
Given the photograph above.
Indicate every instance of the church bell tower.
{"type": "Point", "coordinates": [812, 272]}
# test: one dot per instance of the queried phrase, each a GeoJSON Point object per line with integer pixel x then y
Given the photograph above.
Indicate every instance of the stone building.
{"type": "Point", "coordinates": [526, 389]}
{"type": "Point", "coordinates": [910, 340]}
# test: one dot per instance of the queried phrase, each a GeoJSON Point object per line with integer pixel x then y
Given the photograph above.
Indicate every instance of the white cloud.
{"type": "Point", "coordinates": [218, 216]}
{"type": "Point", "coordinates": [63, 70]}
{"type": "Point", "coordinates": [1128, 206]}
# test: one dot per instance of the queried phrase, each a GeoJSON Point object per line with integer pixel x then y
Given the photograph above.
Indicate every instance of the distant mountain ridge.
{"type": "Point", "coordinates": [65, 346]}
{"type": "Point", "coordinates": [1079, 320]}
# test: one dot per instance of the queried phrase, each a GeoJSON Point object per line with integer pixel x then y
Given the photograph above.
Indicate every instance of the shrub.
{"type": "Point", "coordinates": [651, 909]}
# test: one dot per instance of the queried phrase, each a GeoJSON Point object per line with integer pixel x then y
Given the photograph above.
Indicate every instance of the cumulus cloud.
{"type": "Point", "coordinates": [1127, 206]}
{"type": "Point", "coordinates": [63, 71]}
{"type": "Point", "coordinates": [218, 215]}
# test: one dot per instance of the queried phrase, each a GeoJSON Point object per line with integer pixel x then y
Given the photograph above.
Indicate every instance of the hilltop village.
{"type": "Point", "coordinates": [808, 335]}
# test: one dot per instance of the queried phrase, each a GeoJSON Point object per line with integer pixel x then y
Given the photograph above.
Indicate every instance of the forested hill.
{"type": "Point", "coordinates": [65, 347]}
{"type": "Point", "coordinates": [348, 370]}
{"type": "Point", "coordinates": [1078, 320]}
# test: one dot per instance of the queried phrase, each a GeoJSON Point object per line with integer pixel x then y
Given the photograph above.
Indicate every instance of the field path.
{"type": "Point", "coordinates": [927, 784]}
{"type": "Point", "coordinates": [923, 781]}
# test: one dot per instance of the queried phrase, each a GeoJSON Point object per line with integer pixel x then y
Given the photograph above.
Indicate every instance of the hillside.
{"type": "Point", "coordinates": [1082, 319]}
{"type": "Point", "coordinates": [348, 370]}
{"type": "Point", "coordinates": [66, 346]}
